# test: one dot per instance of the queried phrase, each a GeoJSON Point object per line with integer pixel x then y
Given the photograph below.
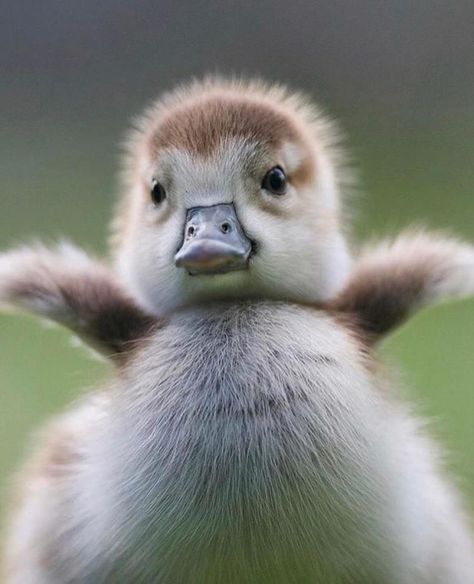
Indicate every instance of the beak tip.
{"type": "Point", "coordinates": [209, 256]}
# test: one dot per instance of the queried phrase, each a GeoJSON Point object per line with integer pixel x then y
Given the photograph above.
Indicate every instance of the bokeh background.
{"type": "Point", "coordinates": [399, 75]}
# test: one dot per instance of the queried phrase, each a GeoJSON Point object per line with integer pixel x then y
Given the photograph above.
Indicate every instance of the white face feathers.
{"type": "Point", "coordinates": [215, 144]}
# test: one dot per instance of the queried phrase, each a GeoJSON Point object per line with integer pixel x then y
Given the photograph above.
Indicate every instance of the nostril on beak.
{"type": "Point", "coordinates": [225, 227]}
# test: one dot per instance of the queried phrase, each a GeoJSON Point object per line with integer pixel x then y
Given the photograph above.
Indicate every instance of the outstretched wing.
{"type": "Point", "coordinates": [395, 278]}
{"type": "Point", "coordinates": [67, 286]}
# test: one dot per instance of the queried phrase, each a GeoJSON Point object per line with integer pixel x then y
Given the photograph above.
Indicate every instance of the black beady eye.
{"type": "Point", "coordinates": [275, 181]}
{"type": "Point", "coordinates": [158, 193]}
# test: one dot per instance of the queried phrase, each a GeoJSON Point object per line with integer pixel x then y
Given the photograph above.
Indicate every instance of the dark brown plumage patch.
{"type": "Point", "coordinates": [107, 317]}
{"type": "Point", "coordinates": [398, 277]}
{"type": "Point", "coordinates": [380, 305]}
{"type": "Point", "coordinates": [380, 301]}
{"type": "Point", "coordinates": [200, 126]}
{"type": "Point", "coordinates": [86, 298]}
{"type": "Point", "coordinates": [98, 310]}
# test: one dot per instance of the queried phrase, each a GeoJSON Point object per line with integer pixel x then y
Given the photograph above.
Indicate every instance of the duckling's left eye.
{"type": "Point", "coordinates": [275, 181]}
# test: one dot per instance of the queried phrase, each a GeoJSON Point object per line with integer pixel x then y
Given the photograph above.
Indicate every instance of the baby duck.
{"type": "Point", "coordinates": [248, 435]}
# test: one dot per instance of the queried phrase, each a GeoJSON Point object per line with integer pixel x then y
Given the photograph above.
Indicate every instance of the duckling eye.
{"type": "Point", "coordinates": [275, 181]}
{"type": "Point", "coordinates": [158, 193]}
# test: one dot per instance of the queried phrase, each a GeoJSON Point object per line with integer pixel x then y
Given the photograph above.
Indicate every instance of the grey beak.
{"type": "Point", "coordinates": [214, 241]}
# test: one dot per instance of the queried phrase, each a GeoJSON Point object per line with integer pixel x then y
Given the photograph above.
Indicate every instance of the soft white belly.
{"type": "Point", "coordinates": [251, 445]}
{"type": "Point", "coordinates": [248, 446]}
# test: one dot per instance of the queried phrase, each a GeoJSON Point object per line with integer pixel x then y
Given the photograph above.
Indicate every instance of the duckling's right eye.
{"type": "Point", "coordinates": [158, 193]}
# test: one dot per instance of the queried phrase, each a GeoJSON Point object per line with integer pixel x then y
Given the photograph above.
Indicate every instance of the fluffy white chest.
{"type": "Point", "coordinates": [247, 446]}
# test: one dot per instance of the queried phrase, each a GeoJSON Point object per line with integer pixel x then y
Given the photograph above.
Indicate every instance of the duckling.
{"type": "Point", "coordinates": [248, 434]}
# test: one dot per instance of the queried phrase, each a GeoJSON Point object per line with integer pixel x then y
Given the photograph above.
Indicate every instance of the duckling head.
{"type": "Point", "coordinates": [232, 190]}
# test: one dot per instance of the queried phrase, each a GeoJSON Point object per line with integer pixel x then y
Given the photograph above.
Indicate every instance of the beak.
{"type": "Point", "coordinates": [214, 241]}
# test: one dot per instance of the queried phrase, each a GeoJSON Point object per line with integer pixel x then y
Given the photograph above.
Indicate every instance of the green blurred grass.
{"type": "Point", "coordinates": [59, 181]}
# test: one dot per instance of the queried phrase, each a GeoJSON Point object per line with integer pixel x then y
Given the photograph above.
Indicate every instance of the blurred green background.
{"type": "Point", "coordinates": [398, 75]}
